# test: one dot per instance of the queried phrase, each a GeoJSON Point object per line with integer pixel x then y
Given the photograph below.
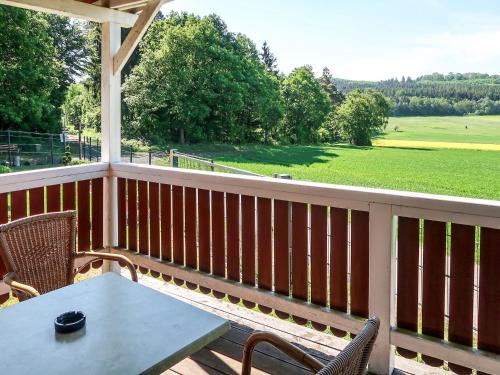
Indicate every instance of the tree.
{"type": "Point", "coordinates": [71, 48]}
{"type": "Point", "coordinates": [268, 59]}
{"type": "Point", "coordinates": [326, 80]}
{"type": "Point", "coordinates": [197, 82]}
{"type": "Point", "coordinates": [362, 115]}
{"type": "Point", "coordinates": [306, 106]}
{"type": "Point", "coordinates": [29, 72]}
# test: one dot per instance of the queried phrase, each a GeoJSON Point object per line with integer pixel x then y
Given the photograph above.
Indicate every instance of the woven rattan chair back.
{"type": "Point", "coordinates": [40, 250]}
{"type": "Point", "coordinates": [354, 358]}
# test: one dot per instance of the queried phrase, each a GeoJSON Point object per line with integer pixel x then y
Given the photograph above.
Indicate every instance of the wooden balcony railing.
{"type": "Point", "coordinates": [321, 254]}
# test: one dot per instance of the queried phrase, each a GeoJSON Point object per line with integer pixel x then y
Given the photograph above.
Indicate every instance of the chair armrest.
{"type": "Point", "coordinates": [114, 257]}
{"type": "Point", "coordinates": [20, 287]}
{"type": "Point", "coordinates": [283, 345]}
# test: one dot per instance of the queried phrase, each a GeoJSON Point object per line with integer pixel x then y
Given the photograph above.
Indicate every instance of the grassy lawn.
{"type": "Point", "coordinates": [480, 129]}
{"type": "Point", "coordinates": [466, 173]}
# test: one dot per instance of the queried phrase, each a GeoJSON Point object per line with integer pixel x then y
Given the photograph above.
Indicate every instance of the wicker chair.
{"type": "Point", "coordinates": [39, 254]}
{"type": "Point", "coordinates": [353, 360]}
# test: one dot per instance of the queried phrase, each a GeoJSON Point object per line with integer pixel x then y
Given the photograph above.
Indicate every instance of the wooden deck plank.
{"type": "Point", "coordinates": [223, 356]}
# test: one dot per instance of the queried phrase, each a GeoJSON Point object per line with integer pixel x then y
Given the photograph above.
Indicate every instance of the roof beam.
{"type": "Point", "coordinates": [126, 4]}
{"type": "Point", "coordinates": [76, 9]}
{"type": "Point", "coordinates": [136, 33]}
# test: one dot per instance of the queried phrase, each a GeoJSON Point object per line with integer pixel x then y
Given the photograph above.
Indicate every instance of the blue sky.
{"type": "Point", "coordinates": [367, 39]}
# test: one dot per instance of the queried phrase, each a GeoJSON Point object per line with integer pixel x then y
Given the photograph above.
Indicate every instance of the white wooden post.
{"type": "Point", "coordinates": [382, 282]}
{"type": "Point", "coordinates": [111, 130]}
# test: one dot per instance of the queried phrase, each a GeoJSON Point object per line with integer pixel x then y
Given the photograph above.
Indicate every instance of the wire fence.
{"type": "Point", "coordinates": [181, 160]}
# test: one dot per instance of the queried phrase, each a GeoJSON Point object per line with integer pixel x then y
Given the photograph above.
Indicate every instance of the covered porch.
{"type": "Point", "coordinates": [310, 261]}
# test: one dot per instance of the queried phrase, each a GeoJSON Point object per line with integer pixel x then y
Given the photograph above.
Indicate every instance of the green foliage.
{"type": "Point", "coordinates": [66, 159]}
{"type": "Point", "coordinates": [4, 169]}
{"type": "Point", "coordinates": [69, 40]}
{"type": "Point", "coordinates": [326, 80]}
{"type": "Point", "coordinates": [41, 55]}
{"type": "Point", "coordinates": [29, 71]}
{"type": "Point", "coordinates": [454, 94]}
{"type": "Point", "coordinates": [306, 106]}
{"type": "Point", "coordinates": [81, 108]}
{"type": "Point", "coordinates": [363, 114]}
{"type": "Point", "coordinates": [198, 82]}
{"type": "Point", "coordinates": [268, 59]}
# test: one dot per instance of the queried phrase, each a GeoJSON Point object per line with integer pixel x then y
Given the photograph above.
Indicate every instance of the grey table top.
{"type": "Point", "coordinates": [130, 329]}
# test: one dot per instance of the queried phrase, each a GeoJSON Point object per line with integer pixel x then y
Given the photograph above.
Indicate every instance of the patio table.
{"type": "Point", "coordinates": [130, 329]}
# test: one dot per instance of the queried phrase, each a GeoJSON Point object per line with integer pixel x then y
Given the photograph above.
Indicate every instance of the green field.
{"type": "Point", "coordinates": [466, 173]}
{"type": "Point", "coordinates": [452, 172]}
{"type": "Point", "coordinates": [480, 129]}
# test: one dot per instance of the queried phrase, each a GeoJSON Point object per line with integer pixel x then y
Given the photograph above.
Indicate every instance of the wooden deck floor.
{"type": "Point", "coordinates": [223, 356]}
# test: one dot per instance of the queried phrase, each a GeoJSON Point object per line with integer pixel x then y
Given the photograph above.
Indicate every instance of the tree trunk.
{"type": "Point", "coordinates": [182, 139]}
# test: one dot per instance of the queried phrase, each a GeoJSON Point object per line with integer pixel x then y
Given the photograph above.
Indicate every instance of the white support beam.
{"type": "Point", "coordinates": [381, 286]}
{"type": "Point", "coordinates": [76, 9]}
{"type": "Point", "coordinates": [110, 128]}
{"type": "Point", "coordinates": [135, 34]}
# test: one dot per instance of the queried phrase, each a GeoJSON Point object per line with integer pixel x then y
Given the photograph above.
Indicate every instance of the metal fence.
{"type": "Point", "coordinates": [26, 149]}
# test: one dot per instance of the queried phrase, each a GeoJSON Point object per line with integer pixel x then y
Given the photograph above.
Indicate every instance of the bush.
{"type": "Point", "coordinates": [4, 169]}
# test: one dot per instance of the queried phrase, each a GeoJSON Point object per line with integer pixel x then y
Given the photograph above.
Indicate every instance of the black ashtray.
{"type": "Point", "coordinates": [70, 321]}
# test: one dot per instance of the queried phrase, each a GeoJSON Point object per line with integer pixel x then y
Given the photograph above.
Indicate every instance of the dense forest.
{"type": "Point", "coordinates": [436, 94]}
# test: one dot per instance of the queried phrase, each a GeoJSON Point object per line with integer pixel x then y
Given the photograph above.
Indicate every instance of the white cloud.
{"type": "Point", "coordinates": [442, 52]}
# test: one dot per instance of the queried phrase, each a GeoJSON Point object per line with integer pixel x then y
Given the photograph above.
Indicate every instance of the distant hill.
{"type": "Point", "coordinates": [453, 94]}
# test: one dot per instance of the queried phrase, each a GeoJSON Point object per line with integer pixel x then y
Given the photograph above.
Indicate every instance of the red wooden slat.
{"type": "Point", "coordinates": [264, 246]}
{"type": "Point", "coordinates": [4, 214]}
{"type": "Point", "coordinates": [248, 242]}
{"type": "Point", "coordinates": [97, 211]}
{"type": "Point", "coordinates": [69, 196]}
{"type": "Point", "coordinates": [54, 198]}
{"type": "Point", "coordinates": [489, 292]}
{"type": "Point", "coordinates": [37, 197]}
{"type": "Point", "coordinates": [3, 219]}
{"type": "Point", "coordinates": [218, 251]}
{"type": "Point", "coordinates": [97, 219]}
{"type": "Point", "coordinates": [233, 239]}
{"type": "Point", "coordinates": [154, 222]}
{"type": "Point", "coordinates": [122, 213]}
{"type": "Point", "coordinates": [299, 254]}
{"type": "Point", "coordinates": [461, 288]}
{"type": "Point", "coordinates": [132, 214]}
{"type": "Point", "coordinates": [318, 258]}
{"type": "Point", "coordinates": [190, 230]}
{"type": "Point", "coordinates": [166, 225]}
{"type": "Point", "coordinates": [407, 303]}
{"type": "Point", "coordinates": [143, 220]}
{"type": "Point", "coordinates": [84, 215]}
{"type": "Point", "coordinates": [434, 268]}
{"type": "Point", "coordinates": [18, 204]}
{"type": "Point", "coordinates": [359, 262]}
{"type": "Point", "coordinates": [338, 262]}
{"type": "Point", "coordinates": [178, 226]}
{"type": "Point", "coordinates": [281, 251]}
{"type": "Point", "coordinates": [204, 233]}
